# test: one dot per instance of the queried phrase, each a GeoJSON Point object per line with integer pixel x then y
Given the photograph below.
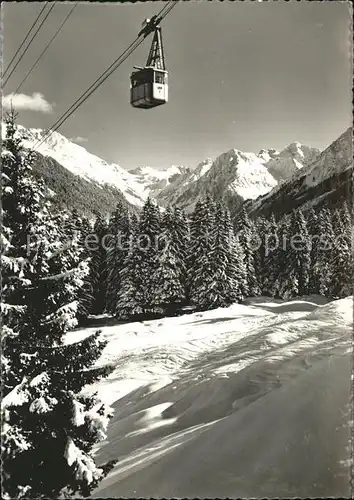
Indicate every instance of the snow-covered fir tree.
{"type": "Point", "coordinates": [48, 427]}
{"type": "Point", "coordinates": [272, 256]}
{"type": "Point", "coordinates": [181, 238]}
{"type": "Point", "coordinates": [247, 238]}
{"type": "Point", "coordinates": [167, 290]}
{"type": "Point", "coordinates": [148, 245]}
{"type": "Point", "coordinates": [74, 231]}
{"type": "Point", "coordinates": [119, 232]}
{"type": "Point", "coordinates": [236, 270]}
{"type": "Point", "coordinates": [135, 296]}
{"type": "Point", "coordinates": [262, 227]}
{"type": "Point", "coordinates": [323, 267]}
{"type": "Point", "coordinates": [98, 269]}
{"type": "Point", "coordinates": [129, 295]}
{"type": "Point", "coordinates": [279, 258]}
{"type": "Point", "coordinates": [229, 277]}
{"type": "Point", "coordinates": [341, 262]}
{"type": "Point", "coordinates": [85, 293]}
{"type": "Point", "coordinates": [295, 280]}
{"type": "Point", "coordinates": [347, 220]}
{"type": "Point", "coordinates": [315, 271]}
{"type": "Point", "coordinates": [200, 262]}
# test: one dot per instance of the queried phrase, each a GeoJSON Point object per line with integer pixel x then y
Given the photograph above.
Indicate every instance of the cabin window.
{"type": "Point", "coordinates": [159, 77]}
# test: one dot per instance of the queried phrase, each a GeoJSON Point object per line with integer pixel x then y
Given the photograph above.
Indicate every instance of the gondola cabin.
{"type": "Point", "coordinates": [148, 87]}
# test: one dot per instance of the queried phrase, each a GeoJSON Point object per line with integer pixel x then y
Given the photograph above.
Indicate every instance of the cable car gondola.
{"type": "Point", "coordinates": [149, 85]}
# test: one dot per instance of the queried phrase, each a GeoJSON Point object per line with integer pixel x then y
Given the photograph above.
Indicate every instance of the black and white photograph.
{"type": "Point", "coordinates": [176, 249]}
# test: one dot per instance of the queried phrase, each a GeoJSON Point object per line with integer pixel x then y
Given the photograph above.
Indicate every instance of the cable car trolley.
{"type": "Point", "coordinates": [149, 85]}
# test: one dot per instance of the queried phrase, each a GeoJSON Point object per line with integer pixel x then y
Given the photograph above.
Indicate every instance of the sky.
{"type": "Point", "coordinates": [244, 75]}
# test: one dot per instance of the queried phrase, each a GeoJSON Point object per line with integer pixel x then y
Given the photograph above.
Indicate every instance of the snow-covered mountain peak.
{"type": "Point", "coordinates": [235, 172]}
{"type": "Point", "coordinates": [135, 185]}
{"type": "Point", "coordinates": [267, 154]}
{"type": "Point", "coordinates": [201, 169]}
{"type": "Point", "coordinates": [153, 180]}
{"type": "Point", "coordinates": [82, 163]}
{"type": "Point", "coordinates": [155, 173]}
{"type": "Point", "coordinates": [246, 175]}
{"type": "Point", "coordinates": [325, 179]}
{"type": "Point", "coordinates": [335, 159]}
{"type": "Point", "coordinates": [294, 157]}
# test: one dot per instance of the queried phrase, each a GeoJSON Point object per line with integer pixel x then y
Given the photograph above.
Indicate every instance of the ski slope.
{"type": "Point", "coordinates": [246, 401]}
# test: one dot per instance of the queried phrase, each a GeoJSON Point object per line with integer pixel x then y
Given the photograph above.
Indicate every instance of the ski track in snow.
{"type": "Point", "coordinates": [177, 379]}
{"type": "Point", "coordinates": [161, 350]}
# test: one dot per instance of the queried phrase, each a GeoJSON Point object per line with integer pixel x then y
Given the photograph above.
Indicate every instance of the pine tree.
{"type": "Point", "coordinates": [323, 268]}
{"type": "Point", "coordinates": [236, 270]}
{"type": "Point", "coordinates": [200, 273]}
{"type": "Point", "coordinates": [167, 290]}
{"type": "Point", "coordinates": [279, 262]}
{"type": "Point", "coordinates": [48, 427]}
{"type": "Point", "coordinates": [148, 245]}
{"type": "Point", "coordinates": [229, 276]}
{"type": "Point", "coordinates": [135, 296]}
{"type": "Point", "coordinates": [181, 238]}
{"type": "Point", "coordinates": [341, 284]}
{"type": "Point", "coordinates": [86, 231]}
{"type": "Point", "coordinates": [295, 280]}
{"type": "Point", "coordinates": [22, 228]}
{"type": "Point", "coordinates": [117, 248]}
{"type": "Point", "coordinates": [130, 294]}
{"type": "Point", "coordinates": [341, 265]}
{"type": "Point", "coordinates": [245, 232]}
{"type": "Point", "coordinates": [313, 229]}
{"type": "Point", "coordinates": [272, 257]}
{"type": "Point", "coordinates": [347, 221]}
{"type": "Point", "coordinates": [98, 269]}
{"type": "Point", "coordinates": [85, 293]}
{"type": "Point", "coordinates": [262, 227]}
{"type": "Point", "coordinates": [73, 233]}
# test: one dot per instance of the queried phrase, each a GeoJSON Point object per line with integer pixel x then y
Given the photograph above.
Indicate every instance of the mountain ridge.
{"type": "Point", "coordinates": [325, 180]}
{"type": "Point", "coordinates": [235, 176]}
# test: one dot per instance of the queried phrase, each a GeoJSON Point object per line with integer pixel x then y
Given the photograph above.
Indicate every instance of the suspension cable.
{"type": "Point", "coordinates": [29, 43]}
{"type": "Point", "coordinates": [46, 47]}
{"type": "Point", "coordinates": [101, 79]}
{"type": "Point", "coordinates": [24, 40]}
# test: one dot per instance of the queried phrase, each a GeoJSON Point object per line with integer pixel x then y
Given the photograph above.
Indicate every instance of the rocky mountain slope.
{"type": "Point", "coordinates": [270, 181]}
{"type": "Point", "coordinates": [68, 190]}
{"type": "Point", "coordinates": [327, 180]}
{"type": "Point", "coordinates": [284, 165]}
{"type": "Point", "coordinates": [237, 176]}
{"type": "Point", "coordinates": [153, 181]}
{"type": "Point", "coordinates": [83, 164]}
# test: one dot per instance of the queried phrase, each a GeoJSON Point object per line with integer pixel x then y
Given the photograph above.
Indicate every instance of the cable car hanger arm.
{"type": "Point", "coordinates": [150, 25]}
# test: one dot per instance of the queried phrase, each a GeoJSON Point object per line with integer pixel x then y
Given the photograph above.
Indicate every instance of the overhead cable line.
{"type": "Point", "coordinates": [46, 47]}
{"type": "Point", "coordinates": [101, 79]}
{"type": "Point", "coordinates": [29, 43]}
{"type": "Point", "coordinates": [24, 40]}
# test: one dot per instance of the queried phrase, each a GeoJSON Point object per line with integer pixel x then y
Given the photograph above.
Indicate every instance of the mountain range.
{"type": "Point", "coordinates": [270, 181]}
{"type": "Point", "coordinates": [325, 181]}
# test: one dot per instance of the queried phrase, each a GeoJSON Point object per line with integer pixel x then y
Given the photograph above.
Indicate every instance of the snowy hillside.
{"type": "Point", "coordinates": [234, 173]}
{"type": "Point", "coordinates": [294, 157]}
{"type": "Point", "coordinates": [327, 179]}
{"type": "Point", "coordinates": [80, 162]}
{"type": "Point", "coordinates": [237, 174]}
{"type": "Point", "coordinates": [334, 160]}
{"type": "Point", "coordinates": [246, 401]}
{"type": "Point", "coordinates": [153, 180]}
